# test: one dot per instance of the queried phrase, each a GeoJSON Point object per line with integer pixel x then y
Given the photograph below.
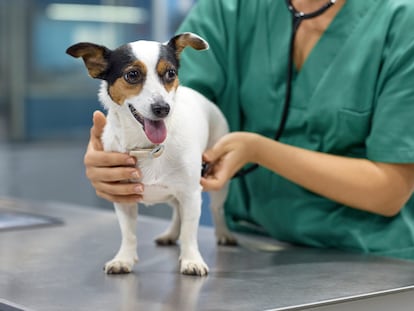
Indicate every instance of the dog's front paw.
{"type": "Point", "coordinates": [191, 267]}
{"type": "Point", "coordinates": [119, 266]}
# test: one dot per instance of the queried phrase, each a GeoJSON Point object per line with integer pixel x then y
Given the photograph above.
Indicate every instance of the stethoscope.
{"type": "Point", "coordinates": [297, 18]}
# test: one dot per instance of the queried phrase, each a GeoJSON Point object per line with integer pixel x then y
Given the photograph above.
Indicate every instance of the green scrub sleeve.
{"type": "Point", "coordinates": [215, 73]}
{"type": "Point", "coordinates": [392, 136]}
{"type": "Point", "coordinates": [205, 71]}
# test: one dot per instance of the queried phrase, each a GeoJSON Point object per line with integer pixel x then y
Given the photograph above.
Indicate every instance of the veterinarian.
{"type": "Point", "coordinates": [341, 174]}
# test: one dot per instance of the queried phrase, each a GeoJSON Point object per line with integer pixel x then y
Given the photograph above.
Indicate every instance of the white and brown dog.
{"type": "Point", "coordinates": [167, 127]}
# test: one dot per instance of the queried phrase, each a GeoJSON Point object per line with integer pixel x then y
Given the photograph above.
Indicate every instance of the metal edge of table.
{"type": "Point", "coordinates": [279, 276]}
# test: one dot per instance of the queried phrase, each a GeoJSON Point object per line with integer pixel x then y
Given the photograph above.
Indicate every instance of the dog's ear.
{"type": "Point", "coordinates": [181, 41]}
{"type": "Point", "coordinates": [94, 56]}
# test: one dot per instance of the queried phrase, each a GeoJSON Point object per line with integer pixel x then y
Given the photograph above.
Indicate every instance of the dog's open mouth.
{"type": "Point", "coordinates": [155, 130]}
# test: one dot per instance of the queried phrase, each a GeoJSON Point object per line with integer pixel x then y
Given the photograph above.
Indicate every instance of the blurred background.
{"type": "Point", "coordinates": [47, 98]}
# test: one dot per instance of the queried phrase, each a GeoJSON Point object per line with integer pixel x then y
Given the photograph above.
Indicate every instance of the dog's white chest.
{"type": "Point", "coordinates": [157, 187]}
{"type": "Point", "coordinates": [156, 193]}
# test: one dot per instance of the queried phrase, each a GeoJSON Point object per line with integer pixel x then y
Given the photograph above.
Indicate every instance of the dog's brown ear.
{"type": "Point", "coordinates": [181, 41]}
{"type": "Point", "coordinates": [94, 56]}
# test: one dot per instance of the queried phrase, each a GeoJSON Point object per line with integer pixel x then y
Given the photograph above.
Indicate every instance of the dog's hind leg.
{"type": "Point", "coordinates": [223, 235]}
{"type": "Point", "coordinates": [190, 210]}
{"type": "Point", "coordinates": [170, 236]}
{"type": "Point", "coordinates": [127, 254]}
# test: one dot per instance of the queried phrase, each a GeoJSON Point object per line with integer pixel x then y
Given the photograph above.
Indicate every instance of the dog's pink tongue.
{"type": "Point", "coordinates": [155, 130]}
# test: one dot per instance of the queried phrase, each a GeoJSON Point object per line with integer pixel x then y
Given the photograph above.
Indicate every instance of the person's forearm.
{"type": "Point", "coordinates": [375, 187]}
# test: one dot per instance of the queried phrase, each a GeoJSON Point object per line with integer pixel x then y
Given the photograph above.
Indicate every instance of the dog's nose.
{"type": "Point", "coordinates": [160, 109]}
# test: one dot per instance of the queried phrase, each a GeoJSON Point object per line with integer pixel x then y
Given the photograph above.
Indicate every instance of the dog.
{"type": "Point", "coordinates": [167, 127]}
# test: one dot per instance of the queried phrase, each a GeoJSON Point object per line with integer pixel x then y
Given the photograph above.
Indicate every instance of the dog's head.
{"type": "Point", "coordinates": [140, 77]}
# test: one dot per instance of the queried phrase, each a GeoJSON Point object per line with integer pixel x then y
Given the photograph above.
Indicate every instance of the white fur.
{"type": "Point", "coordinates": [193, 125]}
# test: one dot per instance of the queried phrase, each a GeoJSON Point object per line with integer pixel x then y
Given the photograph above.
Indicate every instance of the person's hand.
{"type": "Point", "coordinates": [226, 158]}
{"type": "Point", "coordinates": [110, 172]}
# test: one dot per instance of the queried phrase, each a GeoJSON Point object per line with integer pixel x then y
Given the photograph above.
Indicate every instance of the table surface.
{"type": "Point", "coordinates": [59, 267]}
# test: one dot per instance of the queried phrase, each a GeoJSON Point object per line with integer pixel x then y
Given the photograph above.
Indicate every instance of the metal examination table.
{"type": "Point", "coordinates": [57, 265]}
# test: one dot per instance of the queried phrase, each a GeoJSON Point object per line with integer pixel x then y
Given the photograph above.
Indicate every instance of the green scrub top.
{"type": "Point", "coordinates": [354, 97]}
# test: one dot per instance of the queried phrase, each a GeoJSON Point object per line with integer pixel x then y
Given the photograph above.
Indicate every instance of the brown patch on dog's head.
{"type": "Point", "coordinates": [129, 84]}
{"type": "Point", "coordinates": [181, 41]}
{"type": "Point", "coordinates": [125, 73]}
{"type": "Point", "coordinates": [120, 68]}
{"type": "Point", "coordinates": [168, 74]}
{"type": "Point", "coordinates": [94, 56]}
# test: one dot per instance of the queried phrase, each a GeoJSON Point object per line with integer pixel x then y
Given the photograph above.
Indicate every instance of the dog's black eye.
{"type": "Point", "coordinates": [170, 75]}
{"type": "Point", "coordinates": [133, 77]}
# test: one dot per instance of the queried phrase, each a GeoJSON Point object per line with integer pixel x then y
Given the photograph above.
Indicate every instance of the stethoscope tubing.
{"type": "Point", "coordinates": [297, 18]}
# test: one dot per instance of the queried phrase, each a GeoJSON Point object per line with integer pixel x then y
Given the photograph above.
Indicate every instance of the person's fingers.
{"type": "Point", "coordinates": [95, 157]}
{"type": "Point", "coordinates": [119, 189]}
{"type": "Point", "coordinates": [211, 183]}
{"type": "Point", "coordinates": [213, 154]}
{"type": "Point", "coordinates": [106, 159]}
{"type": "Point", "coordinates": [99, 122]}
{"type": "Point", "coordinates": [112, 174]}
{"type": "Point", "coordinates": [217, 177]}
{"type": "Point", "coordinates": [119, 199]}
{"type": "Point", "coordinates": [210, 158]}
{"type": "Point", "coordinates": [97, 129]}
{"type": "Point", "coordinates": [110, 171]}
